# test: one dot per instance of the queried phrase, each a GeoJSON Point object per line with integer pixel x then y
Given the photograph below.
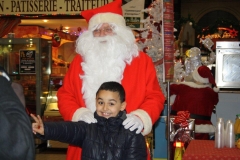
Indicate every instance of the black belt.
{"type": "Point", "coordinates": [194, 116]}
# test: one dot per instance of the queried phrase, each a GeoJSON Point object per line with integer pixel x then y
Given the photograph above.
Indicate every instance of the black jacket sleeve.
{"type": "Point", "coordinates": [16, 136]}
{"type": "Point", "coordinates": [65, 131]}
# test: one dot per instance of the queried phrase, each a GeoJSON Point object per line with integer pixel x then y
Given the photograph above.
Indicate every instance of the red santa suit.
{"type": "Point", "coordinates": [143, 94]}
{"type": "Point", "coordinates": [198, 99]}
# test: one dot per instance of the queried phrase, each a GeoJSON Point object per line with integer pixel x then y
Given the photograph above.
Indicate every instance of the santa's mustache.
{"type": "Point", "coordinates": [102, 39]}
{"type": "Point", "coordinates": [106, 39]}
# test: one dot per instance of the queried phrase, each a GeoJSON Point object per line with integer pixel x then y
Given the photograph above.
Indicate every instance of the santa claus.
{"type": "Point", "coordinates": [199, 98]}
{"type": "Point", "coordinates": [107, 52]}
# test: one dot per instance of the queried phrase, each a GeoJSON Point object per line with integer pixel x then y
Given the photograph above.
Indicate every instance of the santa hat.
{"type": "Point", "coordinates": [109, 13]}
{"type": "Point", "coordinates": [203, 74]}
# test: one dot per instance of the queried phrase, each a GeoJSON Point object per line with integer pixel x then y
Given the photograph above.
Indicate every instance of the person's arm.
{"type": "Point", "coordinates": [16, 134]}
{"type": "Point", "coordinates": [66, 131]}
{"type": "Point", "coordinates": [136, 148]}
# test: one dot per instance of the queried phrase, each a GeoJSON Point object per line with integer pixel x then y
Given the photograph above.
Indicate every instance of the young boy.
{"type": "Point", "coordinates": [105, 140]}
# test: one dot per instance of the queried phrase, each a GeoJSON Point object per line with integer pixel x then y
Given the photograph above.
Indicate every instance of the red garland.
{"type": "Point", "coordinates": [181, 118]}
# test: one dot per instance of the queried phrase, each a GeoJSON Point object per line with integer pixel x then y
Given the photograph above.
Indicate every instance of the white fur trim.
{"type": "Point", "coordinates": [78, 113]}
{"type": "Point", "coordinates": [106, 18]}
{"type": "Point", "coordinates": [172, 98]}
{"type": "Point", "coordinates": [204, 128]}
{"type": "Point", "coordinates": [147, 121]}
{"type": "Point", "coordinates": [216, 89]}
{"type": "Point", "coordinates": [198, 78]}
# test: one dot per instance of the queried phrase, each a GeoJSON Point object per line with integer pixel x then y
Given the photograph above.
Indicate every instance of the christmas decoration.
{"type": "Point", "coordinates": [150, 38]}
{"type": "Point", "coordinates": [151, 34]}
{"type": "Point", "coordinates": [192, 61]}
{"type": "Point", "coordinates": [220, 28]}
{"type": "Point", "coordinates": [179, 72]}
{"type": "Point", "coordinates": [208, 43]}
{"type": "Point", "coordinates": [182, 128]}
{"type": "Point", "coordinates": [56, 40]}
{"type": "Point", "coordinates": [79, 29]}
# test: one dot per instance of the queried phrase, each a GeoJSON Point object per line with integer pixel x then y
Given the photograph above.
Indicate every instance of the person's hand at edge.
{"type": "Point", "coordinates": [133, 122]}
{"type": "Point", "coordinates": [37, 126]}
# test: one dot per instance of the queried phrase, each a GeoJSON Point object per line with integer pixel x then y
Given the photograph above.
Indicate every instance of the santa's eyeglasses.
{"type": "Point", "coordinates": [106, 30]}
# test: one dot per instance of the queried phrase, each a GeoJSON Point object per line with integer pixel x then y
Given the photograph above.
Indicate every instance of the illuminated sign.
{"type": "Point", "coordinates": [132, 9]}
{"type": "Point", "coordinates": [21, 7]}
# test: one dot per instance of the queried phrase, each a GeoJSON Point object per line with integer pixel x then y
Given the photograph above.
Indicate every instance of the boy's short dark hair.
{"type": "Point", "coordinates": [114, 87]}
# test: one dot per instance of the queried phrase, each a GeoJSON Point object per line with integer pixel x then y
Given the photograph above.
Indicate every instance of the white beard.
{"type": "Point", "coordinates": [102, 61]}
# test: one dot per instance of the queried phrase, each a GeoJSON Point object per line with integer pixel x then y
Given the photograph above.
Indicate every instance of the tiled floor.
{"type": "Point", "coordinates": [54, 151]}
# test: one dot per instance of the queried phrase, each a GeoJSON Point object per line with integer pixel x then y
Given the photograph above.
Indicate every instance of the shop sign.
{"type": "Point", "coordinates": [132, 12]}
{"type": "Point", "coordinates": [132, 9]}
{"type": "Point", "coordinates": [27, 61]}
{"type": "Point", "coordinates": [25, 7]}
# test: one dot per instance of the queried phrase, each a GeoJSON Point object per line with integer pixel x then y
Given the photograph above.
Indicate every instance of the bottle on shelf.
{"type": "Point", "coordinates": [219, 133]}
{"type": "Point", "coordinates": [237, 128]}
{"type": "Point", "coordinates": [229, 135]}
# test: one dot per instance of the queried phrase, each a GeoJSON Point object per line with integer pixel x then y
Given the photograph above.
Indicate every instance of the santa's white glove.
{"type": "Point", "coordinates": [87, 117]}
{"type": "Point", "coordinates": [132, 122]}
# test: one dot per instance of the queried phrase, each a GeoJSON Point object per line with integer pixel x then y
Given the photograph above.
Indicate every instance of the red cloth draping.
{"type": "Point", "coordinates": [205, 150]}
{"type": "Point", "coordinates": [8, 24]}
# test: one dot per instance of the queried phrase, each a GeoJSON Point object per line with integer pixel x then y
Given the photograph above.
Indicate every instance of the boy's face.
{"type": "Point", "coordinates": [108, 104]}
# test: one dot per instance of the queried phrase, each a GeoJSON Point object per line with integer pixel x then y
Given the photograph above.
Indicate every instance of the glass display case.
{"type": "Point", "coordinates": [28, 62]}
{"type": "Point", "coordinates": [51, 113]}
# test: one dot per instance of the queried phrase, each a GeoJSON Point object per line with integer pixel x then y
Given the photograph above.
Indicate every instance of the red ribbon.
{"type": "Point", "coordinates": [181, 118]}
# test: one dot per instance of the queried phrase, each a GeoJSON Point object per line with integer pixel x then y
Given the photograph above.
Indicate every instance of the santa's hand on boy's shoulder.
{"type": "Point", "coordinates": [37, 126]}
{"type": "Point", "coordinates": [88, 117]}
{"type": "Point", "coordinates": [133, 122]}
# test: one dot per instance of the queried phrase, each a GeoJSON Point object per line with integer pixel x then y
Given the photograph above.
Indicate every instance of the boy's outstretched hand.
{"type": "Point", "coordinates": [37, 127]}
